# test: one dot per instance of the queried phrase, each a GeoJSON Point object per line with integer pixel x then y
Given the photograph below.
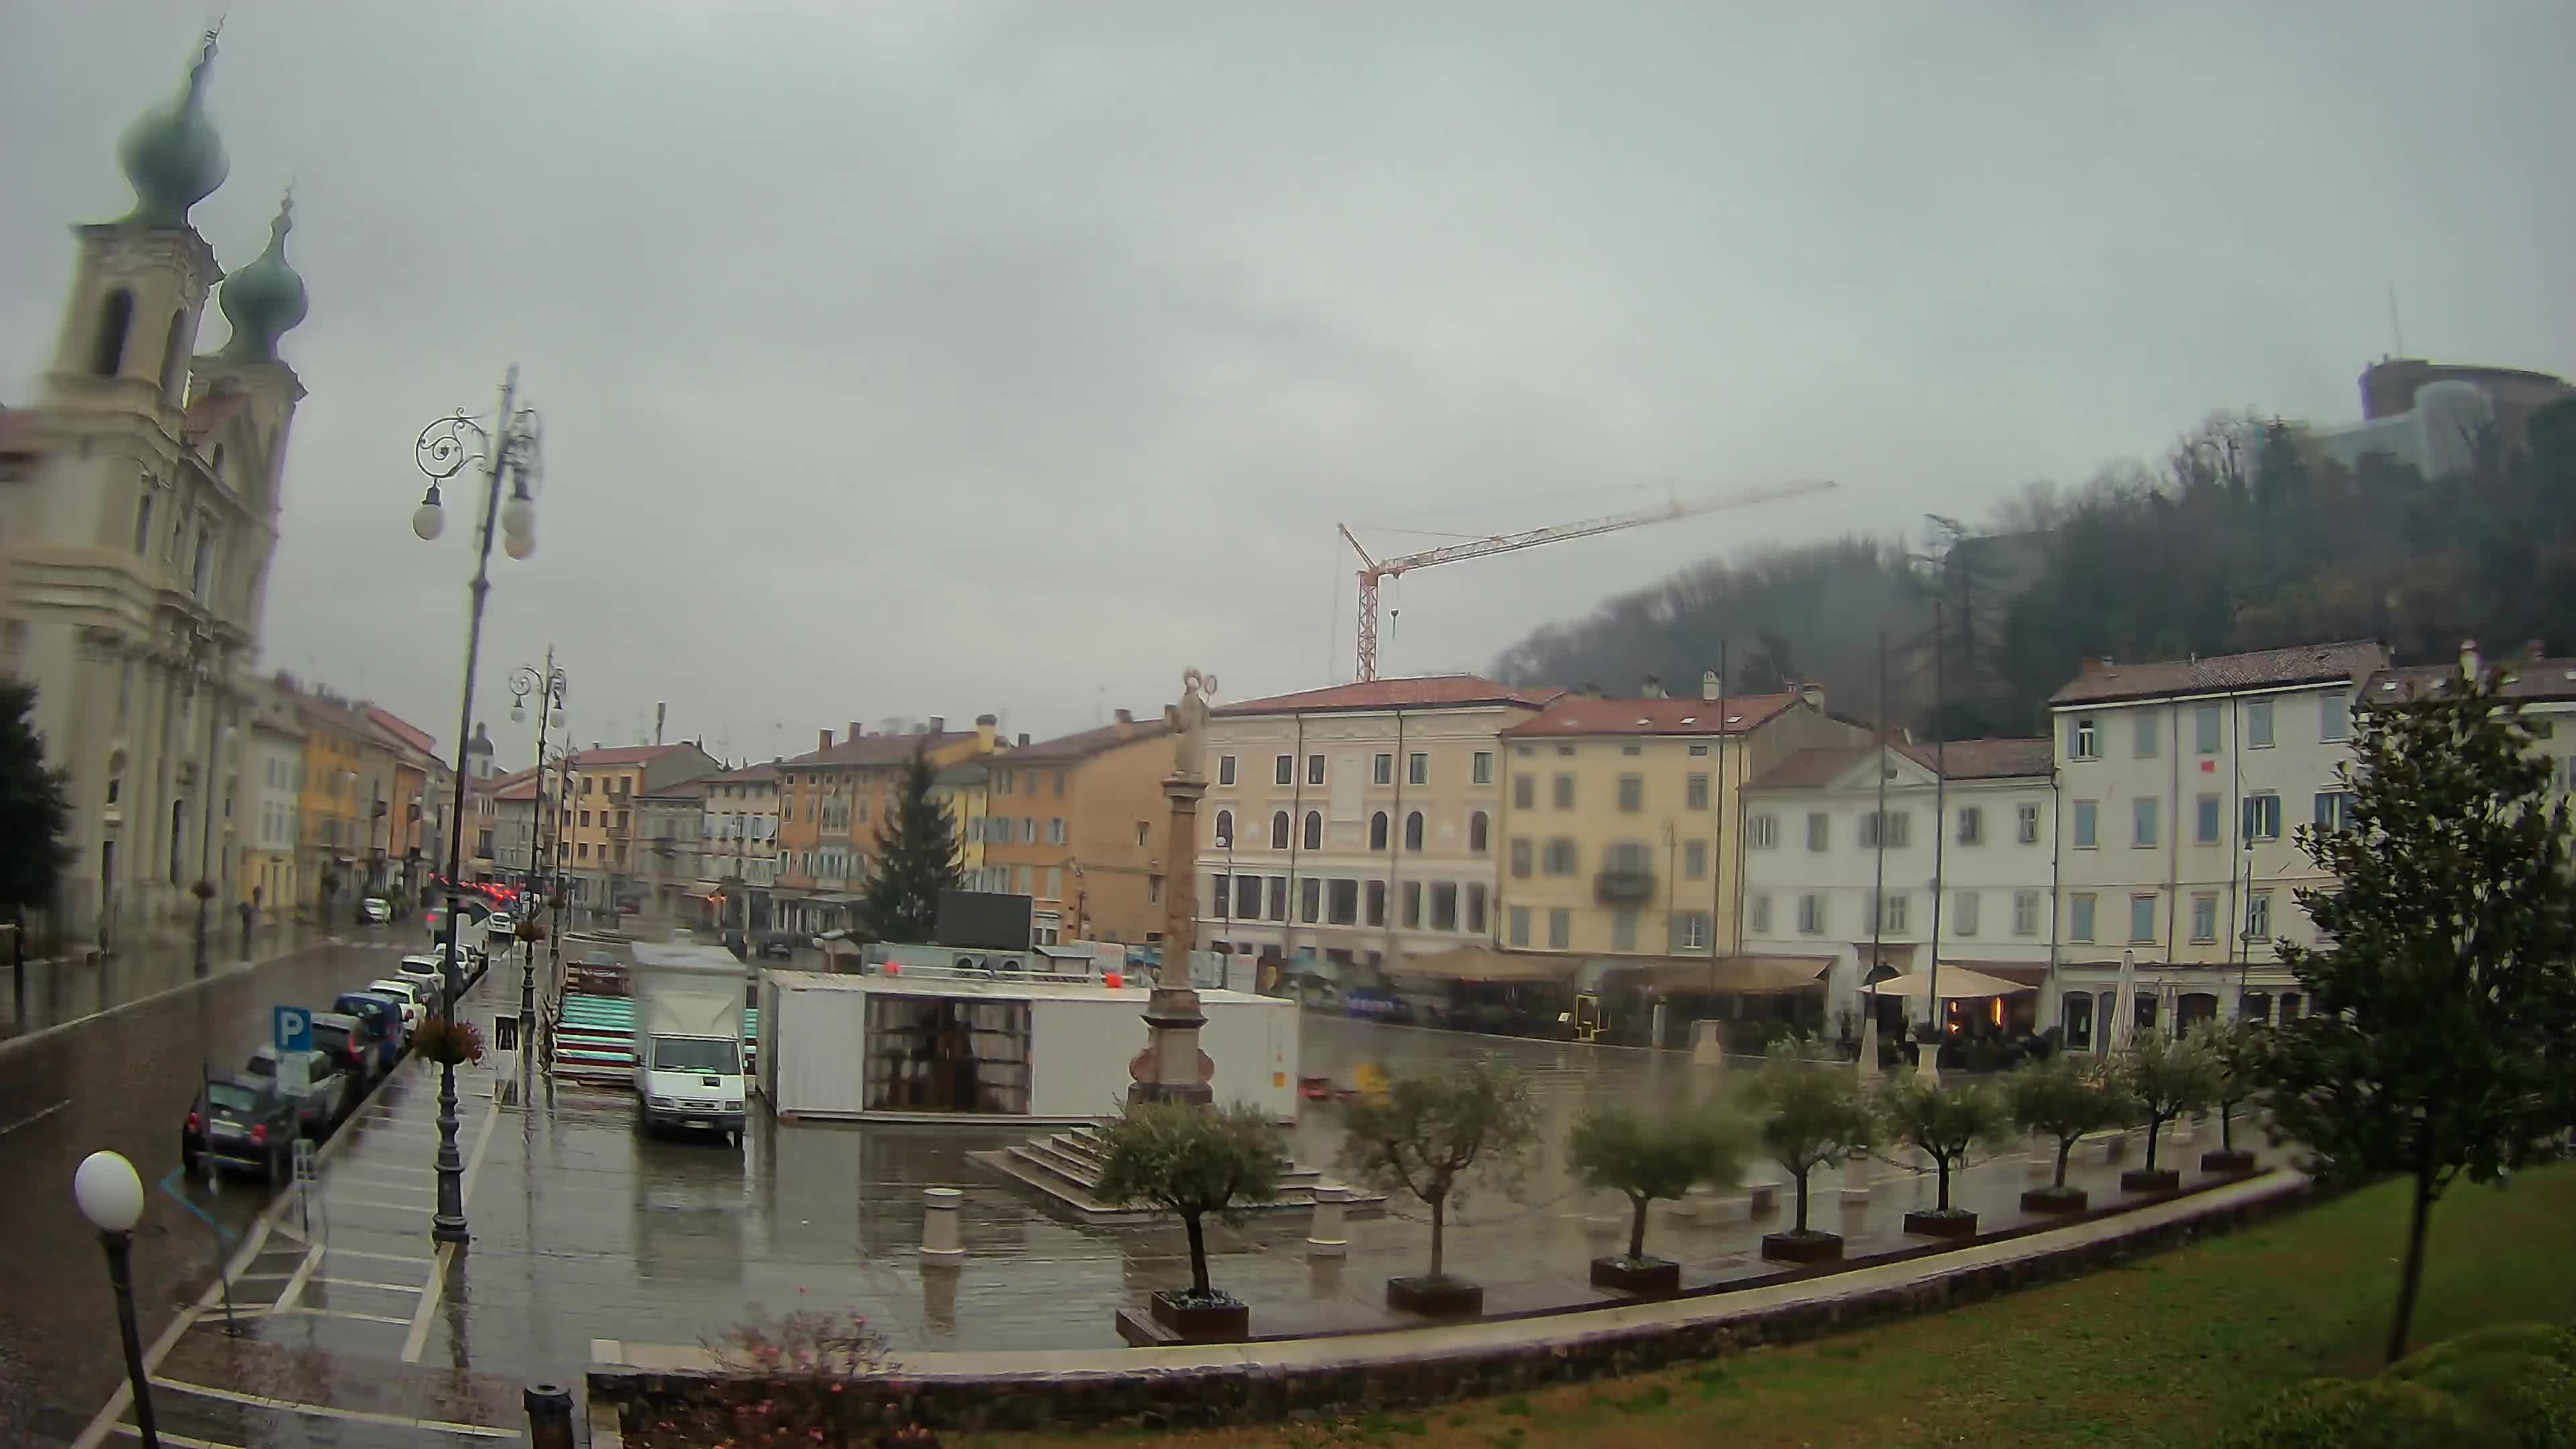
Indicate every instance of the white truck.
{"type": "Point", "coordinates": [688, 1037]}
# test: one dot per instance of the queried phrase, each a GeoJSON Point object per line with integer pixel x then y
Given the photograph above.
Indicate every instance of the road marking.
{"type": "Point", "coordinates": [369, 1202]}
{"type": "Point", "coordinates": [182, 1440]}
{"type": "Point", "coordinates": [380, 1257]}
{"type": "Point", "coordinates": [331, 1411]}
{"type": "Point", "coordinates": [418, 1338]}
{"type": "Point", "coordinates": [379, 1183]}
{"type": "Point", "coordinates": [370, 1283]}
{"type": "Point", "coordinates": [295, 1282]}
{"type": "Point", "coordinates": [389, 1167]}
{"type": "Point", "coordinates": [345, 1313]}
{"type": "Point", "coordinates": [35, 1117]}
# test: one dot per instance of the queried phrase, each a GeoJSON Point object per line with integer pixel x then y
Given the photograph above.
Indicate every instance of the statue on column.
{"type": "Point", "coordinates": [1189, 734]}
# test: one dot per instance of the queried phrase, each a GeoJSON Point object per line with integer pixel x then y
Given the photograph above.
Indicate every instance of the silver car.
{"type": "Point", "coordinates": [329, 1091]}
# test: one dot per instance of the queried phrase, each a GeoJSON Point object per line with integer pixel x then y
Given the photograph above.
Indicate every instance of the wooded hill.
{"type": "Point", "coordinates": [2241, 538]}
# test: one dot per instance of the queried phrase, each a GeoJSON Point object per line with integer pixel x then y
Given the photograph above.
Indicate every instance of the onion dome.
{"type": "Point", "coordinates": [265, 299]}
{"type": "Point", "coordinates": [171, 154]}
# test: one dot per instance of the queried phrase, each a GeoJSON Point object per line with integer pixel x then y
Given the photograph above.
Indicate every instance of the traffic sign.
{"type": "Point", "coordinates": [294, 1074]}
{"type": "Point", "coordinates": [292, 1029]}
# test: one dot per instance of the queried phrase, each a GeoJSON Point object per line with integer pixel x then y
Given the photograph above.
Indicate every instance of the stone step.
{"type": "Point", "coordinates": [1060, 1178]}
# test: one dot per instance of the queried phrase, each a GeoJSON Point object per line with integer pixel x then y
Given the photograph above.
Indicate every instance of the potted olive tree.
{"type": "Point", "coordinates": [2236, 1050]}
{"type": "Point", "coordinates": [2162, 1078]}
{"type": "Point", "coordinates": [2063, 1098]}
{"type": "Point", "coordinates": [1432, 1135]}
{"type": "Point", "coordinates": [1812, 1115]}
{"type": "Point", "coordinates": [1650, 1157]}
{"type": "Point", "coordinates": [1191, 1162]}
{"type": "Point", "coordinates": [1945, 1120]}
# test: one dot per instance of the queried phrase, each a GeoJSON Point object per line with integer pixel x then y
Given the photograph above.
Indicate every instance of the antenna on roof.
{"type": "Point", "coordinates": [2396, 329]}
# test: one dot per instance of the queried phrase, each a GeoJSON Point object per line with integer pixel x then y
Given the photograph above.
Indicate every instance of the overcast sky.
{"type": "Point", "coordinates": [943, 358]}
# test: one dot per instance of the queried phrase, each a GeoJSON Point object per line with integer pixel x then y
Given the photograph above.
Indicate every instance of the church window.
{"type": "Point", "coordinates": [115, 320]}
{"type": "Point", "coordinates": [174, 360]}
{"type": "Point", "coordinates": [143, 522]}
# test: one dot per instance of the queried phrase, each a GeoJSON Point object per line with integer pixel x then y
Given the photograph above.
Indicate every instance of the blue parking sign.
{"type": "Point", "coordinates": [293, 1029]}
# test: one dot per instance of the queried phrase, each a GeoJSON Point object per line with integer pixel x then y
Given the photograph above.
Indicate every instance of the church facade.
{"type": "Point", "coordinates": [136, 537]}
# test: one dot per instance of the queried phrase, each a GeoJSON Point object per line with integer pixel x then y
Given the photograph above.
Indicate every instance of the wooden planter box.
{"type": "Point", "coordinates": [1807, 1247]}
{"type": "Point", "coordinates": [1436, 1297]}
{"type": "Point", "coordinates": [1646, 1277]}
{"type": "Point", "coordinates": [2054, 1200]}
{"type": "Point", "coordinates": [2231, 1160]}
{"type": "Point", "coordinates": [1197, 1322]}
{"type": "Point", "coordinates": [1934, 1223]}
{"type": "Point", "coordinates": [2142, 1179]}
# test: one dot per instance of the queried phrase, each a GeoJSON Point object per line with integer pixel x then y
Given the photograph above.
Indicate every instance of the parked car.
{"type": "Point", "coordinates": [422, 971]}
{"type": "Point", "coordinates": [499, 927]}
{"type": "Point", "coordinates": [329, 1091]}
{"type": "Point", "coordinates": [240, 1122]}
{"type": "Point", "coordinates": [780, 946]}
{"type": "Point", "coordinates": [408, 992]}
{"type": "Point", "coordinates": [377, 910]}
{"type": "Point", "coordinates": [383, 1016]}
{"type": "Point", "coordinates": [353, 1044]}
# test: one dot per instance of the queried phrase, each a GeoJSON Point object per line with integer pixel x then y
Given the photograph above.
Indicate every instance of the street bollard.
{"type": "Point", "coordinates": [1326, 1238]}
{"type": "Point", "coordinates": [549, 1416]}
{"type": "Point", "coordinates": [1855, 1189]}
{"type": "Point", "coordinates": [939, 1242]}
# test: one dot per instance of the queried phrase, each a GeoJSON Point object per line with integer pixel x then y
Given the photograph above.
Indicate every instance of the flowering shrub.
{"type": "Point", "coordinates": [449, 1042]}
{"type": "Point", "coordinates": [787, 1382]}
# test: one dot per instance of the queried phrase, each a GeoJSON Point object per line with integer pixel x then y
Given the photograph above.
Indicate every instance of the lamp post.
{"type": "Point", "coordinates": [508, 449]}
{"type": "Point", "coordinates": [548, 686]}
{"type": "Point", "coordinates": [111, 1197]}
{"type": "Point", "coordinates": [202, 671]}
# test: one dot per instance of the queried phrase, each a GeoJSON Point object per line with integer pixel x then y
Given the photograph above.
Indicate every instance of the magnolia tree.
{"type": "Point", "coordinates": [1650, 1157]}
{"type": "Point", "coordinates": [1190, 1163]}
{"type": "Point", "coordinates": [1433, 1135]}
{"type": "Point", "coordinates": [2163, 1077]}
{"type": "Point", "coordinates": [1812, 1115]}
{"type": "Point", "coordinates": [1943, 1120]}
{"type": "Point", "coordinates": [2438, 1046]}
{"type": "Point", "coordinates": [2063, 1098]}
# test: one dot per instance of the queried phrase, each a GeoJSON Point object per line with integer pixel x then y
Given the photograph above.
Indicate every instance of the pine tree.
{"type": "Point", "coordinates": [34, 811]}
{"type": "Point", "coordinates": [2437, 1044]}
{"type": "Point", "coordinates": [916, 860]}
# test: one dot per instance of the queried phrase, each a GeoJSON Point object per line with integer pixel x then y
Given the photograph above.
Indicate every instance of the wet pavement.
{"type": "Point", "coordinates": [61, 989]}
{"type": "Point", "coordinates": [350, 1329]}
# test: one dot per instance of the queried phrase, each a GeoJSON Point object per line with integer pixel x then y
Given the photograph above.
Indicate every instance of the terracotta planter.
{"type": "Point", "coordinates": [1436, 1297]}
{"type": "Point", "coordinates": [2055, 1200]}
{"type": "Point", "coordinates": [2145, 1179]}
{"type": "Point", "coordinates": [1645, 1277]}
{"type": "Point", "coordinates": [1807, 1247]}
{"type": "Point", "coordinates": [1194, 1321]}
{"type": "Point", "coordinates": [1935, 1223]}
{"type": "Point", "coordinates": [2231, 1160]}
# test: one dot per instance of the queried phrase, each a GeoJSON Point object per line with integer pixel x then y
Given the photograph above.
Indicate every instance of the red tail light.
{"type": "Point", "coordinates": [192, 1121]}
{"type": "Point", "coordinates": [259, 1134]}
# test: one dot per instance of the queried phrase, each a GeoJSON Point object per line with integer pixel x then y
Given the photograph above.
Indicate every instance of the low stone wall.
{"type": "Point", "coordinates": [1264, 1382]}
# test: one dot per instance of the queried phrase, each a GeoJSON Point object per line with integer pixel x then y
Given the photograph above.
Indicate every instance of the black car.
{"type": "Point", "coordinates": [780, 946]}
{"type": "Point", "coordinates": [351, 1046]}
{"type": "Point", "coordinates": [240, 1122]}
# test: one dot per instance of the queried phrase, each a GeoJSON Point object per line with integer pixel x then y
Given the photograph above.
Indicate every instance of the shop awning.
{"type": "Point", "coordinates": [2030, 974]}
{"type": "Point", "coordinates": [1725, 975]}
{"type": "Point", "coordinates": [1484, 963]}
{"type": "Point", "coordinates": [1956, 982]}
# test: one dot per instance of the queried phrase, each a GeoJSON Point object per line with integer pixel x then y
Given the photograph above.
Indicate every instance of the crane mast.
{"type": "Point", "coordinates": [1375, 571]}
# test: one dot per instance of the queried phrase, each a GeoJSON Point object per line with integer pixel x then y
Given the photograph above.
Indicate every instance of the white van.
{"type": "Point", "coordinates": [688, 1037]}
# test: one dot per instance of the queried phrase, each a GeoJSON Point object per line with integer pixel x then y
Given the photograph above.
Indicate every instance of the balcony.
{"type": "Point", "coordinates": [1623, 887]}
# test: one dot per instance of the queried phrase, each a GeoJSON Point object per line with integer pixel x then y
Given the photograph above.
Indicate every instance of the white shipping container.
{"type": "Point", "coordinates": [1081, 1040]}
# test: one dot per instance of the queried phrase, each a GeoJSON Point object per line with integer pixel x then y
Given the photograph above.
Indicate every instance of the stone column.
{"type": "Point", "coordinates": [1171, 1068]}
{"type": "Point", "coordinates": [939, 1242]}
{"type": "Point", "coordinates": [1327, 1239]}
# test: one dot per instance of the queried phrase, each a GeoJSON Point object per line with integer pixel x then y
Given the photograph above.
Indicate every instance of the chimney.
{"type": "Point", "coordinates": [1709, 688]}
{"type": "Point", "coordinates": [1024, 740]}
{"type": "Point", "coordinates": [986, 725]}
{"type": "Point", "coordinates": [1813, 696]}
{"type": "Point", "coordinates": [2470, 664]}
{"type": "Point", "coordinates": [939, 724]}
{"type": "Point", "coordinates": [1654, 687]}
{"type": "Point", "coordinates": [1126, 724]}
{"type": "Point", "coordinates": [855, 731]}
{"type": "Point", "coordinates": [827, 740]}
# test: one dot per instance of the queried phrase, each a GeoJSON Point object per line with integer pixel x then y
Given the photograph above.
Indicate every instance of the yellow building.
{"type": "Point", "coordinates": [604, 867]}
{"type": "Point", "coordinates": [967, 790]}
{"type": "Point", "coordinates": [1622, 822]}
{"type": "Point", "coordinates": [1078, 824]}
{"type": "Point", "coordinates": [831, 801]}
{"type": "Point", "coordinates": [341, 750]}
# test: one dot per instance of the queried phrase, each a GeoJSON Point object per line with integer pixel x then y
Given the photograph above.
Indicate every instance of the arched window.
{"type": "Point", "coordinates": [1377, 831]}
{"type": "Point", "coordinates": [1314, 830]}
{"type": "Point", "coordinates": [1478, 829]}
{"type": "Point", "coordinates": [174, 360]}
{"type": "Point", "coordinates": [1413, 831]}
{"type": "Point", "coordinates": [1225, 827]}
{"type": "Point", "coordinates": [1279, 831]}
{"type": "Point", "coordinates": [115, 320]}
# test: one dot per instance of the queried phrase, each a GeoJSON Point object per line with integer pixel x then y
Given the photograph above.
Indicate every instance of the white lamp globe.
{"type": "Point", "coordinates": [518, 518]}
{"type": "Point", "coordinates": [108, 1192]}
{"type": "Point", "coordinates": [519, 545]}
{"type": "Point", "coordinates": [428, 521]}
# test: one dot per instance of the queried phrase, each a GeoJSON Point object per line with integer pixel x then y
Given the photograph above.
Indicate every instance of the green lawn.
{"type": "Point", "coordinates": [2165, 1351]}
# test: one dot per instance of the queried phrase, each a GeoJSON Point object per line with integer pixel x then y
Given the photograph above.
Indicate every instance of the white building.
{"type": "Point", "coordinates": [1318, 793]}
{"type": "Point", "coordinates": [274, 766]}
{"type": "Point", "coordinates": [1824, 880]}
{"type": "Point", "coordinates": [2544, 688]}
{"type": "Point", "coordinates": [135, 549]}
{"type": "Point", "coordinates": [2180, 787]}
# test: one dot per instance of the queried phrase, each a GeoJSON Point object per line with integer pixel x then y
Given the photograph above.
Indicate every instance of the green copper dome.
{"type": "Point", "coordinates": [265, 299]}
{"type": "Point", "coordinates": [171, 153]}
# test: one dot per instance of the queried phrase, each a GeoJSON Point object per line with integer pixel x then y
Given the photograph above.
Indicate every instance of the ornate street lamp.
{"type": "Point", "coordinates": [110, 1195]}
{"type": "Point", "coordinates": [509, 452]}
{"type": "Point", "coordinates": [548, 686]}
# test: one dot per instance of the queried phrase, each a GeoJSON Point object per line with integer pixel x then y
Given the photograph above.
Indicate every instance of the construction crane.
{"type": "Point", "coordinates": [1374, 571]}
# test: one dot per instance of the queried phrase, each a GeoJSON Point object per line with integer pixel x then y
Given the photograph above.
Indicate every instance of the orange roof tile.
{"type": "Point", "coordinates": [1426, 692]}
